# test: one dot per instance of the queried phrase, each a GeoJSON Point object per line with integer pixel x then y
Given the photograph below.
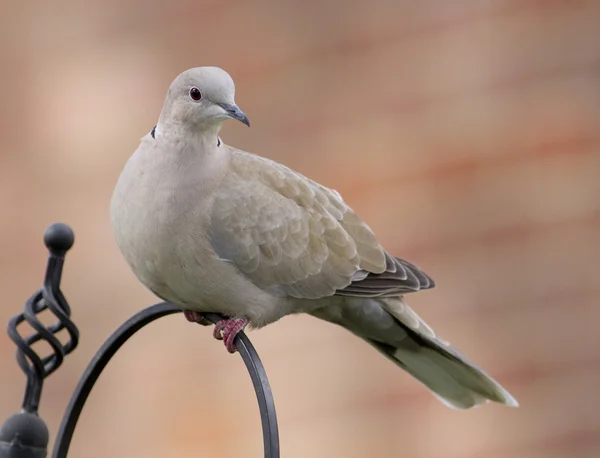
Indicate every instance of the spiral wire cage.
{"type": "Point", "coordinates": [25, 434]}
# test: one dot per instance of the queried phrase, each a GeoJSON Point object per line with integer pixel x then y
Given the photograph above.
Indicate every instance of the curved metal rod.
{"type": "Point", "coordinates": [129, 328]}
{"type": "Point", "coordinates": [266, 402]}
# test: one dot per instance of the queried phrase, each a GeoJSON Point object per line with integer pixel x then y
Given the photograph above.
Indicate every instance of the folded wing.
{"type": "Point", "coordinates": [294, 237]}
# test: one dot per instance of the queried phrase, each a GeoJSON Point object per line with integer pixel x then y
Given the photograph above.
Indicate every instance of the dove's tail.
{"type": "Point", "coordinates": [397, 332]}
{"type": "Point", "coordinates": [454, 380]}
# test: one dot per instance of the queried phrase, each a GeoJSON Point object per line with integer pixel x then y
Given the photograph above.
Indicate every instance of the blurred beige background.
{"type": "Point", "coordinates": [466, 133]}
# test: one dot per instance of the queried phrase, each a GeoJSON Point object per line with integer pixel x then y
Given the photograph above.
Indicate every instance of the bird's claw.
{"type": "Point", "coordinates": [226, 330]}
{"type": "Point", "coordinates": [196, 317]}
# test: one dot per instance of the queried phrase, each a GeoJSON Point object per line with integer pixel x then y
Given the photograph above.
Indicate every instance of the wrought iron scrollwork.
{"type": "Point", "coordinates": [59, 239]}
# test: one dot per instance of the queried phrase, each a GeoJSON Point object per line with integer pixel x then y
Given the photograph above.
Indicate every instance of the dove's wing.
{"type": "Point", "coordinates": [294, 237]}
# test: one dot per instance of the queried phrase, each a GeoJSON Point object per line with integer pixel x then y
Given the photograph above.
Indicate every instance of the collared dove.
{"type": "Point", "coordinates": [211, 228]}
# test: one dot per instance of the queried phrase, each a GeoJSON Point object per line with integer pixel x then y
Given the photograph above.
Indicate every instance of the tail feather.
{"type": "Point", "coordinates": [397, 331]}
{"type": "Point", "coordinates": [456, 382]}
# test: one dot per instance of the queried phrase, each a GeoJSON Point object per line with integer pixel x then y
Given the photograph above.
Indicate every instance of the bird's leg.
{"type": "Point", "coordinates": [227, 329]}
{"type": "Point", "coordinates": [196, 317]}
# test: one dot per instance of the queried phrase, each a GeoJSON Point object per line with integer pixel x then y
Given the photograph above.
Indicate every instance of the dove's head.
{"type": "Point", "coordinates": [201, 98]}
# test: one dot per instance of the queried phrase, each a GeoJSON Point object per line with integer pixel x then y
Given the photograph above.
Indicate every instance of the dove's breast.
{"type": "Point", "coordinates": [160, 213]}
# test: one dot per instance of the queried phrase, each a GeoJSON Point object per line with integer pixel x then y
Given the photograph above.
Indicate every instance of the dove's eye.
{"type": "Point", "coordinates": [195, 94]}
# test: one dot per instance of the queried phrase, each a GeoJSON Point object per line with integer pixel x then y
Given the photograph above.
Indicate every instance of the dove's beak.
{"type": "Point", "coordinates": [234, 112]}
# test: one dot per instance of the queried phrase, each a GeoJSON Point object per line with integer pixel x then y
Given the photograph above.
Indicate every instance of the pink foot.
{"type": "Point", "coordinates": [226, 330]}
{"type": "Point", "coordinates": [196, 317]}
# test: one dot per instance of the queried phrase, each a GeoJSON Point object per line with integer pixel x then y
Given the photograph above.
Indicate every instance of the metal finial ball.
{"type": "Point", "coordinates": [59, 238]}
{"type": "Point", "coordinates": [24, 429]}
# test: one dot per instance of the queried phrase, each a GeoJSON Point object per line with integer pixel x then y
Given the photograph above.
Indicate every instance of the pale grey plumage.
{"type": "Point", "coordinates": [212, 228]}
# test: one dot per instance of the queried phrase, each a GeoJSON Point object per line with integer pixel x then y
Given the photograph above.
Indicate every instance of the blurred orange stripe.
{"type": "Point", "coordinates": [500, 235]}
{"type": "Point", "coordinates": [578, 144]}
{"type": "Point", "coordinates": [363, 42]}
{"type": "Point", "coordinates": [419, 104]}
{"type": "Point", "coordinates": [550, 299]}
{"type": "Point", "coordinates": [531, 373]}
